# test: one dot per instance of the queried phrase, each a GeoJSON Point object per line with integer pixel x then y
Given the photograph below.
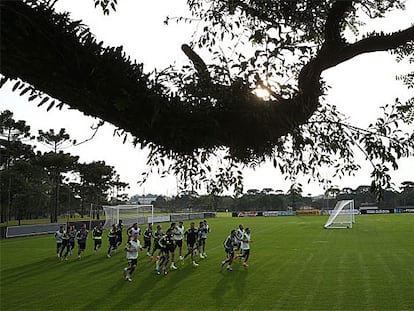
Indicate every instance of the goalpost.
{"type": "Point", "coordinates": [342, 216]}
{"type": "Point", "coordinates": [129, 214]}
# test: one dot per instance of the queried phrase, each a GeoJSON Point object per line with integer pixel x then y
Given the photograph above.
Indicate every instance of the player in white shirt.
{"type": "Point", "coordinates": [203, 231]}
{"type": "Point", "coordinates": [59, 239]}
{"type": "Point", "coordinates": [132, 248]}
{"type": "Point", "coordinates": [174, 245]}
{"type": "Point", "coordinates": [134, 229]}
{"type": "Point", "coordinates": [178, 237]}
{"type": "Point", "coordinates": [245, 247]}
{"type": "Point", "coordinates": [229, 244]}
{"type": "Point", "coordinates": [239, 236]}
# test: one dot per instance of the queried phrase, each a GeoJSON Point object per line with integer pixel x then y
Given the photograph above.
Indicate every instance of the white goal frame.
{"type": "Point", "coordinates": [342, 216]}
{"type": "Point", "coordinates": [114, 213]}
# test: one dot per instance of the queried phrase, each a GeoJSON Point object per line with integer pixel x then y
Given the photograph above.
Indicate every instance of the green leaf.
{"type": "Point", "coordinates": [50, 105]}
{"type": "Point", "coordinates": [43, 101]}
{"type": "Point", "coordinates": [16, 85]}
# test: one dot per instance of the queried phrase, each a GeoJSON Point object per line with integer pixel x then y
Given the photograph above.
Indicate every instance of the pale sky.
{"type": "Point", "coordinates": [359, 87]}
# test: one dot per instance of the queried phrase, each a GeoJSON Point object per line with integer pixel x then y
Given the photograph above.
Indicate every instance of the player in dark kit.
{"type": "Point", "coordinates": [119, 228]}
{"type": "Point", "coordinates": [81, 236]}
{"type": "Point", "coordinates": [113, 240]}
{"type": "Point", "coordinates": [97, 237]}
{"type": "Point", "coordinates": [65, 245]}
{"type": "Point", "coordinates": [157, 236]}
{"type": "Point", "coordinates": [166, 244]}
{"type": "Point", "coordinates": [190, 236]}
{"type": "Point", "coordinates": [203, 230]}
{"type": "Point", "coordinates": [229, 244]}
{"type": "Point", "coordinates": [72, 235]}
{"type": "Point", "coordinates": [147, 239]}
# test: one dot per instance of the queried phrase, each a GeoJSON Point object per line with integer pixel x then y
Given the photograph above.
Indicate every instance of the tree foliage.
{"type": "Point", "coordinates": [35, 184]}
{"type": "Point", "coordinates": [189, 114]}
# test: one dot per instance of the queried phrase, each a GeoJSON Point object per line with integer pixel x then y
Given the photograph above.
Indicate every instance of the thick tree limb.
{"type": "Point", "coordinates": [62, 59]}
{"type": "Point", "coordinates": [376, 43]}
{"type": "Point", "coordinates": [330, 56]}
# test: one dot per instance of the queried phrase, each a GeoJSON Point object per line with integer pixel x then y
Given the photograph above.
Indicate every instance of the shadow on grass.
{"type": "Point", "coordinates": [230, 287]}
{"type": "Point", "coordinates": [142, 286]}
{"type": "Point", "coordinates": [15, 274]}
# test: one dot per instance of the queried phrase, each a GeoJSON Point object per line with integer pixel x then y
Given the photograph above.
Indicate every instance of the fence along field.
{"type": "Point", "coordinates": [295, 264]}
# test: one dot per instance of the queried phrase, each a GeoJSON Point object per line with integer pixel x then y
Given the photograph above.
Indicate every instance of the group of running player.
{"type": "Point", "coordinates": [238, 240]}
{"type": "Point", "coordinates": [166, 244]}
{"type": "Point", "coordinates": [65, 239]}
{"type": "Point", "coordinates": [160, 246]}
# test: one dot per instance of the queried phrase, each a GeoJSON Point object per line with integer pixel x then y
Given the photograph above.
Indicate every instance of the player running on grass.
{"type": "Point", "coordinates": [132, 247]}
{"type": "Point", "coordinates": [239, 236]}
{"type": "Point", "coordinates": [172, 250]}
{"type": "Point", "coordinates": [245, 247]}
{"type": "Point", "coordinates": [157, 236]}
{"type": "Point", "coordinates": [132, 230]}
{"type": "Point", "coordinates": [65, 245]}
{"type": "Point", "coordinates": [190, 237]}
{"type": "Point", "coordinates": [113, 240]}
{"type": "Point", "coordinates": [229, 244]}
{"type": "Point", "coordinates": [81, 236]}
{"type": "Point", "coordinates": [166, 244]}
{"type": "Point", "coordinates": [147, 238]}
{"type": "Point", "coordinates": [97, 233]}
{"type": "Point", "coordinates": [72, 235]}
{"type": "Point", "coordinates": [59, 240]}
{"type": "Point", "coordinates": [178, 238]}
{"type": "Point", "coordinates": [119, 228]}
{"type": "Point", "coordinates": [203, 230]}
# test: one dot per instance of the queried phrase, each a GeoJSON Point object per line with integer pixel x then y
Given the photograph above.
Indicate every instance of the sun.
{"type": "Point", "coordinates": [262, 93]}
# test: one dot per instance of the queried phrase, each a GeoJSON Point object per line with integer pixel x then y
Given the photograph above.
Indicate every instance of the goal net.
{"type": "Point", "coordinates": [342, 216]}
{"type": "Point", "coordinates": [129, 214]}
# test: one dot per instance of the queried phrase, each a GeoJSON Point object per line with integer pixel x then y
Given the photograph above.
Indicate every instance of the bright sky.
{"type": "Point", "coordinates": [359, 88]}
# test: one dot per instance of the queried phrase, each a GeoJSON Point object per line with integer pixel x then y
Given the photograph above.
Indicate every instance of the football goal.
{"type": "Point", "coordinates": [342, 216]}
{"type": "Point", "coordinates": [129, 214]}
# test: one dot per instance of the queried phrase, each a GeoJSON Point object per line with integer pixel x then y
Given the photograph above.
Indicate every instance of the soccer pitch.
{"type": "Point", "coordinates": [295, 264]}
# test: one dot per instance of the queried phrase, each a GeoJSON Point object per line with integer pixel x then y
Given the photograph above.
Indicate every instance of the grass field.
{"type": "Point", "coordinates": [295, 265]}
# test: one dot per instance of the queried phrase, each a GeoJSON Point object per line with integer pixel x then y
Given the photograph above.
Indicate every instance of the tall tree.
{"type": "Point", "coordinates": [12, 149]}
{"type": "Point", "coordinates": [96, 182]}
{"type": "Point", "coordinates": [29, 191]}
{"type": "Point", "coordinates": [215, 107]}
{"type": "Point", "coordinates": [118, 187]}
{"type": "Point", "coordinates": [55, 165]}
{"type": "Point", "coordinates": [58, 162]}
{"type": "Point", "coordinates": [55, 141]}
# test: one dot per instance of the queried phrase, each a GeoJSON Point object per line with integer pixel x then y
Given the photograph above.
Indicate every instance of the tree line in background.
{"type": "Point", "coordinates": [268, 199]}
{"type": "Point", "coordinates": [35, 184]}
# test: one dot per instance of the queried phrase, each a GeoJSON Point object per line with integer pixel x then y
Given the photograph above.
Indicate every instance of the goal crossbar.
{"type": "Point", "coordinates": [128, 214]}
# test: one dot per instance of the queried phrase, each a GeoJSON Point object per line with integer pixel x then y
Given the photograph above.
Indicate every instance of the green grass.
{"type": "Point", "coordinates": [295, 265]}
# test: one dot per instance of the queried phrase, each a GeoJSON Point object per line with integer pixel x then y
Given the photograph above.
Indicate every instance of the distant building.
{"type": "Point", "coordinates": [143, 200]}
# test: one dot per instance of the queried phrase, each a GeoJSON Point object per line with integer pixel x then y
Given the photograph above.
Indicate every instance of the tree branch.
{"type": "Point", "coordinates": [376, 43]}
{"type": "Point", "coordinates": [334, 20]}
{"type": "Point", "coordinates": [198, 63]}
